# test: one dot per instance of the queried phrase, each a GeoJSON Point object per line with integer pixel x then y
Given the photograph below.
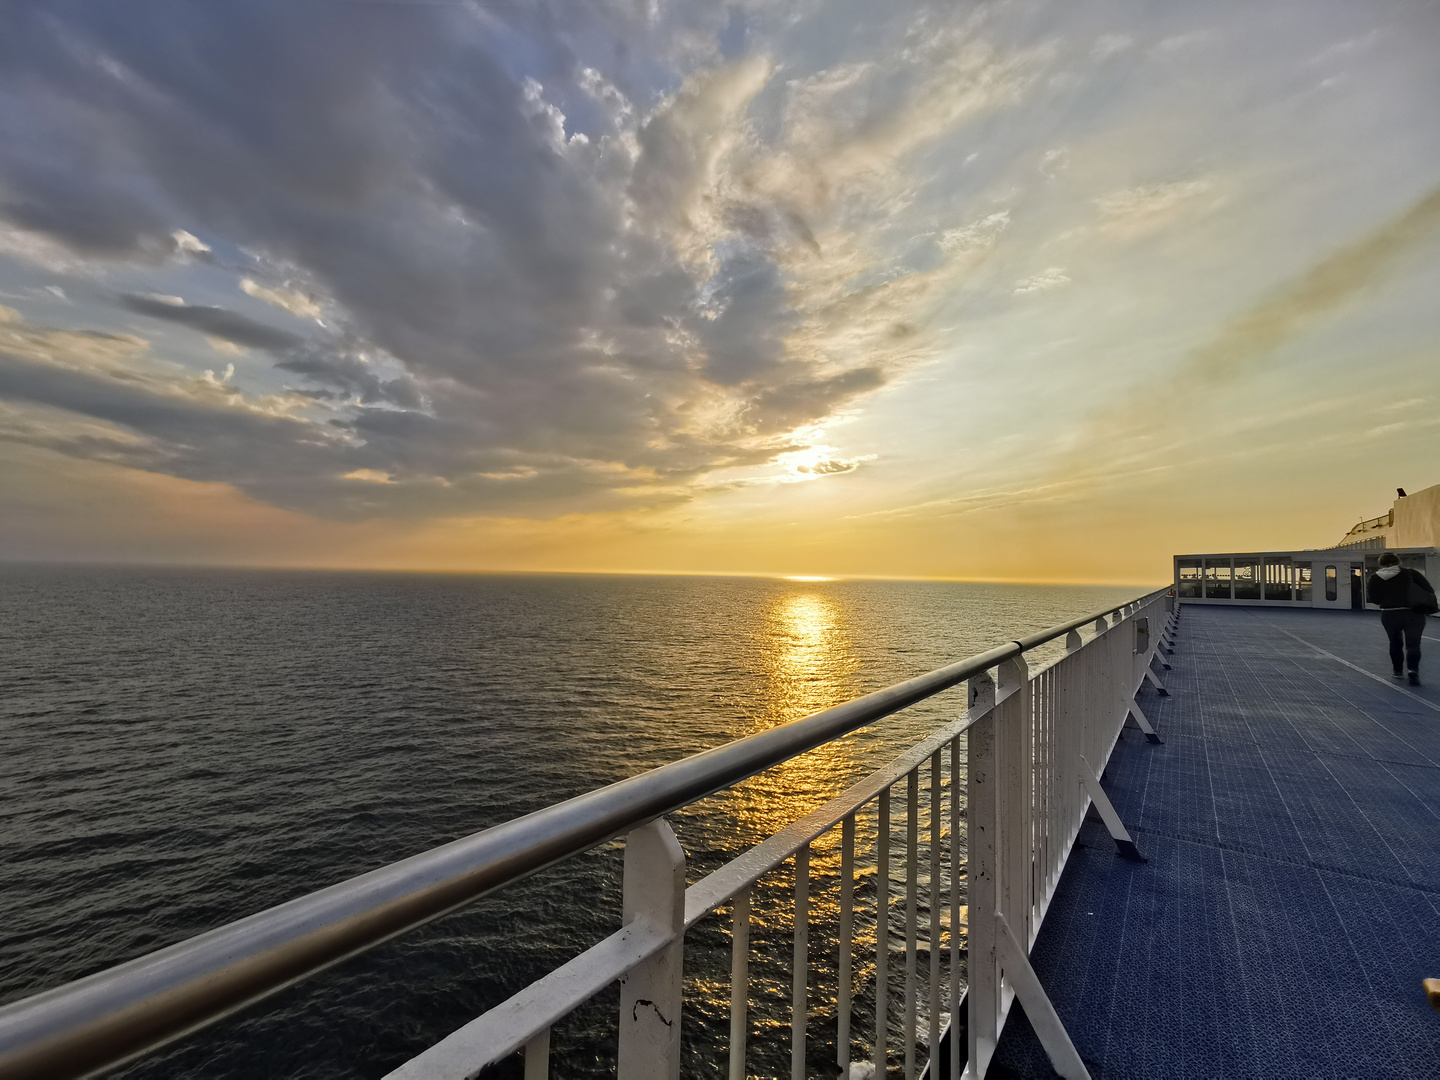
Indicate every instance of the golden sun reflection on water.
{"type": "Point", "coordinates": [809, 661]}
{"type": "Point", "coordinates": [810, 664]}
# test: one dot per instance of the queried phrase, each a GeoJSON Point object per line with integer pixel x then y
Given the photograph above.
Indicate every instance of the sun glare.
{"type": "Point", "coordinates": [806, 577]}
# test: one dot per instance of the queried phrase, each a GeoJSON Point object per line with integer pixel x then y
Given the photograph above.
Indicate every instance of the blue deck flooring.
{"type": "Point", "coordinates": [1291, 904]}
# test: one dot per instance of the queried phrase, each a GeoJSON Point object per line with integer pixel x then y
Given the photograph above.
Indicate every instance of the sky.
{"type": "Point", "coordinates": [1018, 291]}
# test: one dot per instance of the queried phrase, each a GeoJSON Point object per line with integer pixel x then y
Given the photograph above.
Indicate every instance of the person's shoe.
{"type": "Point", "coordinates": [1414, 678]}
{"type": "Point", "coordinates": [1397, 675]}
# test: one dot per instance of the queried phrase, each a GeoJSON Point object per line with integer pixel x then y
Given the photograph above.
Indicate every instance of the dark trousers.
{"type": "Point", "coordinates": [1404, 628]}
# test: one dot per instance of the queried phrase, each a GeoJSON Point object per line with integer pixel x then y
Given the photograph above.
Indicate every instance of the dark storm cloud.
{"type": "Point", "coordinates": [243, 444]}
{"type": "Point", "coordinates": [215, 321]}
{"type": "Point", "coordinates": [412, 164]}
{"type": "Point", "coordinates": [280, 458]}
{"type": "Point", "coordinates": [344, 376]}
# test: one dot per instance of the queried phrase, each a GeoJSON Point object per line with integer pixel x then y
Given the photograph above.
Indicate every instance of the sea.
{"type": "Point", "coordinates": [183, 747]}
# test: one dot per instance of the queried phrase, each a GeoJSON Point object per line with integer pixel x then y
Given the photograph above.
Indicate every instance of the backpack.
{"type": "Point", "coordinates": [1418, 597]}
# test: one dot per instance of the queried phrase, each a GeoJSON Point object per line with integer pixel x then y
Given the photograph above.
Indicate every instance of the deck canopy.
{"type": "Point", "coordinates": [1323, 578]}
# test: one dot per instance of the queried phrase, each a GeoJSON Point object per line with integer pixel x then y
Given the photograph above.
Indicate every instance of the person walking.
{"type": "Point", "coordinates": [1404, 598]}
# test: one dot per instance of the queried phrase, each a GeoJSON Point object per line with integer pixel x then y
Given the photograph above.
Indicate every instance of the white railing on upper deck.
{"type": "Point", "coordinates": [1020, 769]}
{"type": "Point", "coordinates": [1036, 746]}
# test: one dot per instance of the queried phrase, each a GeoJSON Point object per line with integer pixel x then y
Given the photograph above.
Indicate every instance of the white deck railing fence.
{"type": "Point", "coordinates": [1028, 753]}
{"type": "Point", "coordinates": [991, 802]}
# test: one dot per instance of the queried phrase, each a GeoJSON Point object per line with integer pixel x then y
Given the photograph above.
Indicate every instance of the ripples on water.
{"type": "Point", "coordinates": [182, 748]}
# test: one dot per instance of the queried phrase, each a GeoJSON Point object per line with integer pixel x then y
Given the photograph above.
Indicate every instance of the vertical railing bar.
{"type": "Point", "coordinates": [847, 928]}
{"type": "Point", "coordinates": [537, 1057]}
{"type": "Point", "coordinates": [1041, 814]}
{"type": "Point", "coordinates": [1052, 790]}
{"type": "Point", "coordinates": [1053, 797]}
{"type": "Point", "coordinates": [912, 887]}
{"type": "Point", "coordinates": [882, 933]}
{"type": "Point", "coordinates": [1063, 689]}
{"type": "Point", "coordinates": [1037, 792]}
{"type": "Point", "coordinates": [802, 964]}
{"type": "Point", "coordinates": [739, 983]}
{"type": "Point", "coordinates": [936, 902]}
{"type": "Point", "coordinates": [954, 910]}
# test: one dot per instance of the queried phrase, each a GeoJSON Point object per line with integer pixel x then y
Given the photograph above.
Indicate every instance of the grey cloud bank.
{"type": "Point", "coordinates": [524, 259]}
{"type": "Point", "coordinates": [511, 297]}
{"type": "Point", "coordinates": [214, 321]}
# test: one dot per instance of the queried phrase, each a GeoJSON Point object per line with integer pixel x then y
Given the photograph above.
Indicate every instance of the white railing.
{"type": "Point", "coordinates": [1021, 768]}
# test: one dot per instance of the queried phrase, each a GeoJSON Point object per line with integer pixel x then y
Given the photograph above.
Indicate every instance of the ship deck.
{"type": "Point", "coordinates": [1291, 903]}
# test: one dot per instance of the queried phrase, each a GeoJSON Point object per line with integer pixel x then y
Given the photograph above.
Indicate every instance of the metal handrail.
{"type": "Point", "coordinates": [106, 1019]}
{"type": "Point", "coordinates": [1387, 519]}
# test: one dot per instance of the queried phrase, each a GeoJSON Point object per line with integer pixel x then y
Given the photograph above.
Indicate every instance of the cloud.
{"type": "Point", "coordinates": [976, 236]}
{"type": "Point", "coordinates": [354, 375]}
{"type": "Point", "coordinates": [369, 476]}
{"type": "Point", "coordinates": [1053, 277]}
{"type": "Point", "coordinates": [1135, 211]}
{"type": "Point", "coordinates": [189, 245]}
{"type": "Point", "coordinates": [229, 348]}
{"type": "Point", "coordinates": [614, 262]}
{"type": "Point", "coordinates": [37, 249]}
{"type": "Point", "coordinates": [213, 322]}
{"type": "Point", "coordinates": [291, 300]}
{"type": "Point", "coordinates": [1298, 306]}
{"type": "Point", "coordinates": [1131, 428]}
{"type": "Point", "coordinates": [150, 415]}
{"type": "Point", "coordinates": [1108, 45]}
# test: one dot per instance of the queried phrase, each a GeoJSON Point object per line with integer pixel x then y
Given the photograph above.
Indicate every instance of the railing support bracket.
{"type": "Point", "coordinates": [1155, 681]}
{"type": "Point", "coordinates": [1064, 1058]}
{"type": "Point", "coordinates": [1137, 716]}
{"type": "Point", "coordinates": [1124, 845]}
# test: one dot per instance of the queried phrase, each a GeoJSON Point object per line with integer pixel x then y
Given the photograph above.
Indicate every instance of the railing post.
{"type": "Point", "coordinates": [800, 972]}
{"type": "Point", "coordinates": [882, 932]}
{"type": "Point", "coordinates": [650, 995]}
{"type": "Point", "coordinates": [982, 783]}
{"type": "Point", "coordinates": [537, 1057]}
{"type": "Point", "coordinates": [847, 939]}
{"type": "Point", "coordinates": [739, 983]}
{"type": "Point", "coordinates": [1014, 736]}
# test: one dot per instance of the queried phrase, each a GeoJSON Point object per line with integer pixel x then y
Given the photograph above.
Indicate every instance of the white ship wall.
{"type": "Point", "coordinates": [1417, 520]}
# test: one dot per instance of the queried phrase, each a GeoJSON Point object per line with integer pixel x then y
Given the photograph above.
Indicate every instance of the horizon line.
{"type": "Point", "coordinates": [797, 578]}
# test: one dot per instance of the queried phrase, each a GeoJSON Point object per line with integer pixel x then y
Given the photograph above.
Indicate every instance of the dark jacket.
{"type": "Point", "coordinates": [1391, 593]}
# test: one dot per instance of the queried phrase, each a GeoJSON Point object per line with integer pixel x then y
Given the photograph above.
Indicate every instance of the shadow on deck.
{"type": "Point", "coordinates": [1291, 904]}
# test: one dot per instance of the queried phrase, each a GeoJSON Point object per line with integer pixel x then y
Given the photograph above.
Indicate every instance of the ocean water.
{"type": "Point", "coordinates": [181, 748]}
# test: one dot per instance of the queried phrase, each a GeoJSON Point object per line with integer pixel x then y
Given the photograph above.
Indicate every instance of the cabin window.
{"type": "Point", "coordinates": [1247, 579]}
{"type": "Point", "coordinates": [1187, 578]}
{"type": "Point", "coordinates": [1217, 579]}
{"type": "Point", "coordinates": [1332, 583]}
{"type": "Point", "coordinates": [1279, 578]}
{"type": "Point", "coordinates": [1303, 589]}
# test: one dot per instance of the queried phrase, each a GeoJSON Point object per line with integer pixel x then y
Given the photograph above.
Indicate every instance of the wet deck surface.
{"type": "Point", "coordinates": [1291, 904]}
